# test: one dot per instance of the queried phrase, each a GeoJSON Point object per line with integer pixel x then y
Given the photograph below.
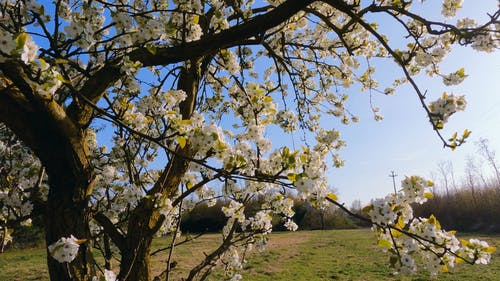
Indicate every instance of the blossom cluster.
{"type": "Point", "coordinates": [19, 176]}
{"type": "Point", "coordinates": [454, 78]}
{"type": "Point", "coordinates": [232, 264]}
{"type": "Point", "coordinates": [442, 108]}
{"type": "Point", "coordinates": [450, 7]}
{"type": "Point", "coordinates": [21, 46]}
{"type": "Point", "coordinates": [419, 244]}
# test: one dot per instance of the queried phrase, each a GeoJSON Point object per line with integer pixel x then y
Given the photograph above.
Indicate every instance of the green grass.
{"type": "Point", "coordinates": [348, 255]}
{"type": "Point", "coordinates": [25, 264]}
{"type": "Point", "coordinates": [303, 255]}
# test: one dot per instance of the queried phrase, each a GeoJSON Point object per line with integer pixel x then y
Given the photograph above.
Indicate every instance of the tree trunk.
{"type": "Point", "coordinates": [45, 128]}
{"type": "Point", "coordinates": [135, 264]}
{"type": "Point", "coordinates": [145, 221]}
{"type": "Point", "coordinates": [135, 252]}
{"type": "Point", "coordinates": [107, 252]}
{"type": "Point", "coordinates": [67, 215]}
{"type": "Point", "coordinates": [3, 237]}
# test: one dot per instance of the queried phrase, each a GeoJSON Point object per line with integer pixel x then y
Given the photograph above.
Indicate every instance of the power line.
{"type": "Point", "coordinates": [393, 176]}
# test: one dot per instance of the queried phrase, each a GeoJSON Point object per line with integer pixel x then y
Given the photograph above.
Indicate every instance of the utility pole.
{"type": "Point", "coordinates": [393, 176]}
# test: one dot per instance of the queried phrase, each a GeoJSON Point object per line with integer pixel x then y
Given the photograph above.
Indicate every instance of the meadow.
{"type": "Point", "coordinates": [303, 255]}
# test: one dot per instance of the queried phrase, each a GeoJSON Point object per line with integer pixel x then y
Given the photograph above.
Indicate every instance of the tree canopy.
{"type": "Point", "coordinates": [114, 113]}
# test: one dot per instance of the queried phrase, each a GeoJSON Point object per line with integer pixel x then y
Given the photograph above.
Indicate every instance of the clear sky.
{"type": "Point", "coordinates": [404, 140]}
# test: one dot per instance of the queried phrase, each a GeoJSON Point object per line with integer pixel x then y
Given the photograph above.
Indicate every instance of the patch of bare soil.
{"type": "Point", "coordinates": [287, 239]}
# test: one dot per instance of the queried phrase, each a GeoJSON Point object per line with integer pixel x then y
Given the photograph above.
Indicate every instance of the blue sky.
{"type": "Point", "coordinates": [404, 140]}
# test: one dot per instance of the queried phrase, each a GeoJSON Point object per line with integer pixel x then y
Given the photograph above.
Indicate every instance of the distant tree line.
{"type": "Point", "coordinates": [470, 203]}
{"type": "Point", "coordinates": [205, 218]}
{"type": "Point", "coordinates": [464, 210]}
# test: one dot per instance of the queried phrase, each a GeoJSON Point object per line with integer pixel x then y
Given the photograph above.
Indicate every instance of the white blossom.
{"type": "Point", "coordinates": [65, 249]}
{"type": "Point", "coordinates": [109, 275]}
{"type": "Point", "coordinates": [450, 7]}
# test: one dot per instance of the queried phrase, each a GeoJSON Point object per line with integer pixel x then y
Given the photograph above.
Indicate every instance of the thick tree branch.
{"type": "Point", "coordinates": [225, 39]}
{"type": "Point", "coordinates": [111, 230]}
{"type": "Point", "coordinates": [95, 86]}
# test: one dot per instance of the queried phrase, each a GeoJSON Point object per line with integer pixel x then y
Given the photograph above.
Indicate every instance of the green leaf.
{"type": "Point", "coordinates": [491, 249]}
{"type": "Point", "coordinates": [432, 220]}
{"type": "Point", "coordinates": [61, 61]}
{"type": "Point", "coordinates": [332, 196]}
{"type": "Point", "coordinates": [181, 141]}
{"type": "Point", "coordinates": [221, 145]}
{"type": "Point", "coordinates": [43, 63]}
{"type": "Point", "coordinates": [152, 49]}
{"type": "Point", "coordinates": [466, 133]}
{"type": "Point", "coordinates": [185, 122]}
{"type": "Point", "coordinates": [268, 99]}
{"type": "Point", "coordinates": [62, 79]}
{"type": "Point", "coordinates": [393, 260]}
{"type": "Point", "coordinates": [303, 158]}
{"type": "Point", "coordinates": [453, 137]}
{"type": "Point", "coordinates": [367, 209]}
{"type": "Point", "coordinates": [384, 243]}
{"type": "Point", "coordinates": [401, 224]}
{"type": "Point", "coordinates": [21, 40]}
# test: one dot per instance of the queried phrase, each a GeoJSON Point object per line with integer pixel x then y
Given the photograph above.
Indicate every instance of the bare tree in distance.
{"type": "Point", "coordinates": [489, 155]}
{"type": "Point", "coordinates": [470, 177]}
{"type": "Point", "coordinates": [446, 175]}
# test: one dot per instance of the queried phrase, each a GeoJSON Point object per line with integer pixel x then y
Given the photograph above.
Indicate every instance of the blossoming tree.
{"type": "Point", "coordinates": [117, 111]}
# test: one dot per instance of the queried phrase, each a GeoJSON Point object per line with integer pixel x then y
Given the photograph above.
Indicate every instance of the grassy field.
{"type": "Point", "coordinates": [304, 255]}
